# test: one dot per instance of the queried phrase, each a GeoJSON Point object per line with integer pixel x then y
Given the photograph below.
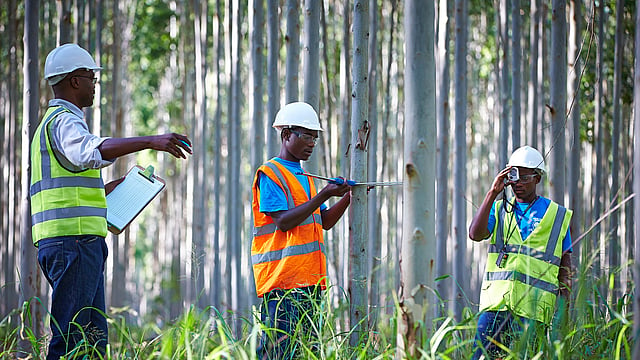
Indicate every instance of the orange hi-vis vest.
{"type": "Point", "coordinates": [291, 259]}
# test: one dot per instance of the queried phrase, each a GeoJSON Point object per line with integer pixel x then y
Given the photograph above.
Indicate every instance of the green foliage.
{"type": "Point", "coordinates": [590, 328]}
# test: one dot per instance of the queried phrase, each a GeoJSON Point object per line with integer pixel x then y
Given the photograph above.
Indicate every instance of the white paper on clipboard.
{"type": "Point", "coordinates": [130, 197]}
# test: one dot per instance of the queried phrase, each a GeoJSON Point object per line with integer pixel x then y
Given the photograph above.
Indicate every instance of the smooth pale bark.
{"type": "Point", "coordinates": [459, 216]}
{"type": "Point", "coordinates": [217, 298]}
{"type": "Point", "coordinates": [417, 261]}
{"type": "Point", "coordinates": [504, 83]}
{"type": "Point", "coordinates": [30, 275]}
{"type": "Point", "coordinates": [614, 246]}
{"type": "Point", "coordinates": [10, 184]}
{"type": "Point", "coordinates": [535, 68]}
{"type": "Point", "coordinates": [311, 70]}
{"type": "Point", "coordinates": [199, 157]}
{"type": "Point", "coordinates": [292, 39]}
{"type": "Point", "coordinates": [358, 237]}
{"type": "Point", "coordinates": [63, 8]}
{"type": "Point", "coordinates": [558, 100]}
{"type": "Point", "coordinates": [598, 190]}
{"type": "Point", "coordinates": [373, 210]}
{"type": "Point", "coordinates": [516, 73]}
{"type": "Point", "coordinates": [273, 81]}
{"type": "Point", "coordinates": [575, 149]}
{"type": "Point", "coordinates": [442, 171]}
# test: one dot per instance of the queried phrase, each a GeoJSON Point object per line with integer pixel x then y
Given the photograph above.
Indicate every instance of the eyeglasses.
{"type": "Point", "coordinates": [308, 138]}
{"type": "Point", "coordinates": [94, 80]}
{"type": "Point", "coordinates": [525, 179]}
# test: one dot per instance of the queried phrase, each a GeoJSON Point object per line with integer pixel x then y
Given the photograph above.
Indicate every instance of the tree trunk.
{"type": "Point", "coordinates": [459, 220]}
{"type": "Point", "coordinates": [358, 238]}
{"type": "Point", "coordinates": [292, 39]}
{"type": "Point", "coordinates": [598, 190]}
{"type": "Point", "coordinates": [30, 275]}
{"type": "Point", "coordinates": [636, 179]}
{"type": "Point", "coordinates": [417, 263]}
{"type": "Point", "coordinates": [273, 80]}
{"type": "Point", "coordinates": [614, 245]}
{"type": "Point", "coordinates": [516, 71]}
{"type": "Point", "coordinates": [442, 171]}
{"type": "Point", "coordinates": [373, 209]}
{"type": "Point", "coordinates": [558, 100]}
{"type": "Point", "coordinates": [311, 68]}
{"type": "Point", "coordinates": [574, 181]}
{"type": "Point", "coordinates": [503, 34]}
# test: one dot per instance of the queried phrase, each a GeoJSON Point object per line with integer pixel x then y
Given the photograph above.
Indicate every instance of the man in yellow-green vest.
{"type": "Point", "coordinates": [529, 259]}
{"type": "Point", "coordinates": [68, 204]}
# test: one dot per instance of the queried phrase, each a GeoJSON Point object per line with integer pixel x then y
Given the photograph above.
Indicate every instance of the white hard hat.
{"type": "Point", "coordinates": [65, 59]}
{"type": "Point", "coordinates": [527, 157]}
{"type": "Point", "coordinates": [297, 114]}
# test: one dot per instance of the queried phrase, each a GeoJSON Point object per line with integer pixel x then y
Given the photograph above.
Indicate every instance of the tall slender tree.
{"type": "Point", "coordinates": [273, 82]}
{"type": "Point", "coordinates": [292, 39]}
{"type": "Point", "coordinates": [558, 99]}
{"type": "Point", "coordinates": [459, 220]}
{"type": "Point", "coordinates": [311, 70]}
{"type": "Point", "coordinates": [358, 238]}
{"type": "Point", "coordinates": [636, 179]}
{"type": "Point", "coordinates": [418, 262]}
{"type": "Point", "coordinates": [516, 71]}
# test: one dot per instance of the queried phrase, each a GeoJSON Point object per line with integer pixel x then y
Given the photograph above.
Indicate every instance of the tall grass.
{"type": "Point", "coordinates": [589, 328]}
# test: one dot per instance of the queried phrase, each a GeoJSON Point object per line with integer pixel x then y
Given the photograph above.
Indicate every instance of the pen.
{"type": "Point", "coordinates": [184, 142]}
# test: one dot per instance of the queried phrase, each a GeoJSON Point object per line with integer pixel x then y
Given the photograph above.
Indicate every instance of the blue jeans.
{"type": "Point", "coordinates": [74, 266]}
{"type": "Point", "coordinates": [501, 326]}
{"type": "Point", "coordinates": [289, 313]}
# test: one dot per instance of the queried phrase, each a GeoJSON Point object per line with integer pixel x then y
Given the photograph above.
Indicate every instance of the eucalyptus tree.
{"type": "Point", "coordinates": [292, 38]}
{"type": "Point", "coordinates": [575, 148]}
{"type": "Point", "coordinates": [358, 259]}
{"type": "Point", "coordinates": [558, 99]}
{"type": "Point", "coordinates": [10, 185]}
{"type": "Point", "coordinates": [216, 284]}
{"type": "Point", "coordinates": [598, 189]}
{"type": "Point", "coordinates": [516, 73]}
{"type": "Point", "coordinates": [503, 70]}
{"type": "Point", "coordinates": [417, 262]}
{"type": "Point", "coordinates": [373, 209]}
{"type": "Point", "coordinates": [199, 157]}
{"type": "Point", "coordinates": [33, 314]}
{"type": "Point", "coordinates": [311, 70]}
{"type": "Point", "coordinates": [636, 180]}
{"type": "Point", "coordinates": [459, 218]}
{"type": "Point", "coordinates": [442, 171]}
{"type": "Point", "coordinates": [614, 246]}
{"type": "Point", "coordinates": [535, 73]}
{"type": "Point", "coordinates": [273, 80]}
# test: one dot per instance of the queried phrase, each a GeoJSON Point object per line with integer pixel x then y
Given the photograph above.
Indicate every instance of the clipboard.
{"type": "Point", "coordinates": [127, 200]}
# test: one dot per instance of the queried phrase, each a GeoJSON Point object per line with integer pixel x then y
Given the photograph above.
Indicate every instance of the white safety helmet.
{"type": "Point", "coordinates": [297, 114]}
{"type": "Point", "coordinates": [527, 157]}
{"type": "Point", "coordinates": [65, 59]}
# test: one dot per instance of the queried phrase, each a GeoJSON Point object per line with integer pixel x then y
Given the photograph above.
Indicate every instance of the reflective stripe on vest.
{"type": "Point", "coordinates": [291, 259]}
{"type": "Point", "coordinates": [53, 212]}
{"type": "Point", "coordinates": [528, 283]}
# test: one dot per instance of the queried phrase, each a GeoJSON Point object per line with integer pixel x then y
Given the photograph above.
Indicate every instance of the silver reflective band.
{"type": "Point", "coordinates": [288, 251]}
{"type": "Point", "coordinates": [65, 213]}
{"type": "Point", "coordinates": [523, 278]}
{"type": "Point", "coordinates": [525, 250]}
{"type": "Point", "coordinates": [61, 182]}
{"type": "Point", "coordinates": [271, 228]}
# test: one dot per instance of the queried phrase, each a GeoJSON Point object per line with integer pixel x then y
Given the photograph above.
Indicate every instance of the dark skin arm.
{"type": "Point", "coordinates": [564, 275]}
{"type": "Point", "coordinates": [288, 219]}
{"type": "Point", "coordinates": [478, 229]}
{"type": "Point", "coordinates": [171, 143]}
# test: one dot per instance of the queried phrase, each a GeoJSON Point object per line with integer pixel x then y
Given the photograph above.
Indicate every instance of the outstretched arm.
{"type": "Point", "coordinates": [173, 144]}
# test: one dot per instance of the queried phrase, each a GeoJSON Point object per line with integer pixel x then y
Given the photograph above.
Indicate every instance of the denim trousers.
{"type": "Point", "coordinates": [500, 326]}
{"type": "Point", "coordinates": [287, 314]}
{"type": "Point", "coordinates": [74, 267]}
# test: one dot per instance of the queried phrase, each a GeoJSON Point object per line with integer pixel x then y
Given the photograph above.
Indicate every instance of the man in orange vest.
{"type": "Point", "coordinates": [288, 251]}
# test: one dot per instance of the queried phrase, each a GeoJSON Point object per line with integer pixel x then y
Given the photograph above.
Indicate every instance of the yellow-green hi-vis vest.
{"type": "Point", "coordinates": [63, 202]}
{"type": "Point", "coordinates": [527, 284]}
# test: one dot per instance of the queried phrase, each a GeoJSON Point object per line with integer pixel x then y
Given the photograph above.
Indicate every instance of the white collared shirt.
{"type": "Point", "coordinates": [72, 142]}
